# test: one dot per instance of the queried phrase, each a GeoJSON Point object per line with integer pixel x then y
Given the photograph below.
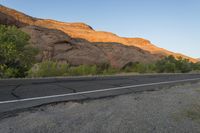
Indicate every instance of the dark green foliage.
{"type": "Point", "coordinates": [102, 67]}
{"type": "Point", "coordinates": [16, 57]}
{"type": "Point", "coordinates": [167, 65]}
{"type": "Point", "coordinates": [106, 69]}
{"type": "Point", "coordinates": [140, 68]}
{"type": "Point", "coordinates": [170, 65]}
{"type": "Point", "coordinates": [196, 66]}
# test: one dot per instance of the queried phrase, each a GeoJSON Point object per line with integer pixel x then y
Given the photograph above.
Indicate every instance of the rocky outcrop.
{"type": "Point", "coordinates": [12, 17]}
{"type": "Point", "coordinates": [57, 45]}
{"type": "Point", "coordinates": [78, 43]}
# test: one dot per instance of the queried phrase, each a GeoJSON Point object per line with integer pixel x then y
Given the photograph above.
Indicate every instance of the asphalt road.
{"type": "Point", "coordinates": [18, 94]}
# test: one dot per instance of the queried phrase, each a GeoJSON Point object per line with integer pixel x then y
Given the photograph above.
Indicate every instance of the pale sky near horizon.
{"type": "Point", "coordinates": [170, 24]}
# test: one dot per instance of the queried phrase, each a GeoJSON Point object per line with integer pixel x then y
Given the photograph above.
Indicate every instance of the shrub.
{"type": "Point", "coordinates": [130, 67]}
{"type": "Point", "coordinates": [48, 69]}
{"type": "Point", "coordinates": [102, 67]}
{"type": "Point", "coordinates": [166, 65]}
{"type": "Point", "coordinates": [170, 64]}
{"type": "Point", "coordinates": [16, 56]}
{"type": "Point", "coordinates": [110, 71]}
{"type": "Point", "coordinates": [82, 70]}
{"type": "Point", "coordinates": [195, 66]}
{"type": "Point", "coordinates": [140, 68]}
{"type": "Point", "coordinates": [51, 68]}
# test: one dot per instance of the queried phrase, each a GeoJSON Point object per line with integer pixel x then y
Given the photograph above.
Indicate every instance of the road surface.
{"type": "Point", "coordinates": [18, 94]}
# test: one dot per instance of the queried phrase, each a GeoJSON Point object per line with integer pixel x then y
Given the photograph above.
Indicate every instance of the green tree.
{"type": "Point", "coordinates": [167, 64]}
{"type": "Point", "coordinates": [16, 56]}
{"type": "Point", "coordinates": [171, 64]}
{"type": "Point", "coordinates": [195, 66]}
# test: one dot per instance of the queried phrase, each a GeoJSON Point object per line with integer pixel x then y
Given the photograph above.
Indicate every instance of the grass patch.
{"type": "Point", "coordinates": [198, 90]}
{"type": "Point", "coordinates": [192, 113]}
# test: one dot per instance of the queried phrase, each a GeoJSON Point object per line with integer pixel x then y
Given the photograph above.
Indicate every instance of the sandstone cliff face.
{"type": "Point", "coordinates": [56, 45]}
{"type": "Point", "coordinates": [78, 43]}
{"type": "Point", "coordinates": [98, 36]}
{"type": "Point", "coordinates": [11, 17]}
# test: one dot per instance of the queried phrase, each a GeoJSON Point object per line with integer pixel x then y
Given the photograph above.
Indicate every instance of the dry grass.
{"type": "Point", "coordinates": [192, 113]}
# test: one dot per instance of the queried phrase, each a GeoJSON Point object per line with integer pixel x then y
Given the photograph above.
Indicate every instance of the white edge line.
{"type": "Point", "coordinates": [101, 90]}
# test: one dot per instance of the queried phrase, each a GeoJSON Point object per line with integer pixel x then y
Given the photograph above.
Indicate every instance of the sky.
{"type": "Point", "coordinates": [170, 24]}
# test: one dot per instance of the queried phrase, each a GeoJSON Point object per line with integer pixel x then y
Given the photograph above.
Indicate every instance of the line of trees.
{"type": "Point", "coordinates": [168, 64]}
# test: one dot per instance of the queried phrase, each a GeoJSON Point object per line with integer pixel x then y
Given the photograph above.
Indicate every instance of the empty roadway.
{"type": "Point", "coordinates": [23, 93]}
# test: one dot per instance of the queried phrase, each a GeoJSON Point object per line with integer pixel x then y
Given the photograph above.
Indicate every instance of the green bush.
{"type": "Point", "coordinates": [130, 67]}
{"type": "Point", "coordinates": [170, 65]}
{"type": "Point", "coordinates": [110, 71]}
{"type": "Point", "coordinates": [195, 66]}
{"type": "Point", "coordinates": [145, 68]}
{"type": "Point", "coordinates": [82, 70]}
{"type": "Point", "coordinates": [103, 67]}
{"type": "Point", "coordinates": [48, 69]}
{"type": "Point", "coordinates": [52, 68]}
{"type": "Point", "coordinates": [140, 68]}
{"type": "Point", "coordinates": [16, 56]}
{"type": "Point", "coordinates": [165, 65]}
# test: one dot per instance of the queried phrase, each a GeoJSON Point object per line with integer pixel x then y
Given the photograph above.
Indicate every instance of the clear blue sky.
{"type": "Point", "coordinates": [171, 24]}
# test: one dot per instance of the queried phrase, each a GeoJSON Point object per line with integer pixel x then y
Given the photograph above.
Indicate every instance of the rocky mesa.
{"type": "Point", "coordinates": [78, 43]}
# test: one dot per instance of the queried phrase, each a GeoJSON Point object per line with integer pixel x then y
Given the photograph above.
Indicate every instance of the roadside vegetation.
{"type": "Point", "coordinates": [16, 56]}
{"type": "Point", "coordinates": [52, 68]}
{"type": "Point", "coordinates": [166, 65]}
{"type": "Point", "coordinates": [17, 59]}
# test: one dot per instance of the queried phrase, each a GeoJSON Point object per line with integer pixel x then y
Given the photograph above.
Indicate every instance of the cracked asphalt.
{"type": "Point", "coordinates": [17, 89]}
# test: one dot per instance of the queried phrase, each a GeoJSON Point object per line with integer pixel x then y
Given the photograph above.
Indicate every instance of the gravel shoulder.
{"type": "Point", "coordinates": [175, 109]}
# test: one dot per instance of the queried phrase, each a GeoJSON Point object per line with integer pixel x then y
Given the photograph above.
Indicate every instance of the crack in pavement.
{"type": "Point", "coordinates": [13, 91]}
{"type": "Point", "coordinates": [74, 91]}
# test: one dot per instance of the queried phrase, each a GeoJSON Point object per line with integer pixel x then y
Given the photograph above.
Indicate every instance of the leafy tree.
{"type": "Point", "coordinates": [170, 64]}
{"type": "Point", "coordinates": [195, 66]}
{"type": "Point", "coordinates": [16, 56]}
